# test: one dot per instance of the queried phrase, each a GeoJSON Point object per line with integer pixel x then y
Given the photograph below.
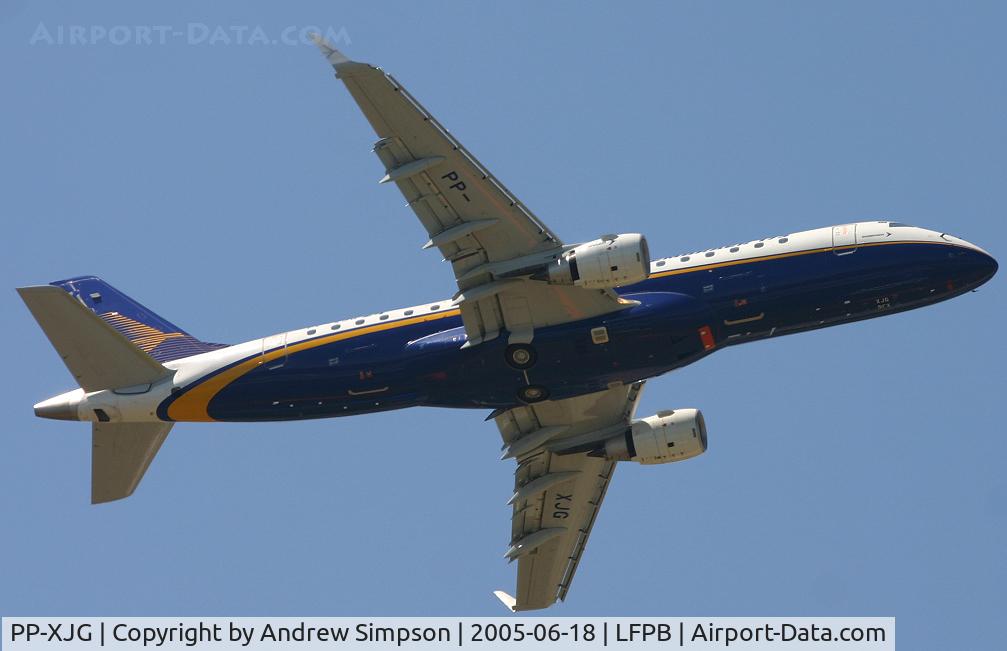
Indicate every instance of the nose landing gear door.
{"type": "Point", "coordinates": [274, 351]}
{"type": "Point", "coordinates": [844, 239]}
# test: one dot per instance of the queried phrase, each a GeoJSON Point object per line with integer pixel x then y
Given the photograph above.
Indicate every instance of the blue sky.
{"type": "Point", "coordinates": [231, 188]}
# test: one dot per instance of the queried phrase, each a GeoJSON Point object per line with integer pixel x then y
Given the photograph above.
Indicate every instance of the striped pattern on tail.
{"type": "Point", "coordinates": [151, 333]}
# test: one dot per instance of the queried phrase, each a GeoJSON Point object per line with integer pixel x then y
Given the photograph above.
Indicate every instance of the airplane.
{"type": "Point", "coordinates": [557, 340]}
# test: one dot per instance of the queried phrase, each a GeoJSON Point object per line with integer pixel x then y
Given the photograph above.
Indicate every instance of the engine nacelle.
{"type": "Point", "coordinates": [610, 261]}
{"type": "Point", "coordinates": [665, 437]}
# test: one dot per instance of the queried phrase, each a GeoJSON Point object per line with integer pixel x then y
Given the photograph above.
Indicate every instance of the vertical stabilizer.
{"type": "Point", "coordinates": [151, 333]}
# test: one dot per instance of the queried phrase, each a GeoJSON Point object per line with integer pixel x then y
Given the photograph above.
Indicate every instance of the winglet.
{"type": "Point", "coordinates": [334, 56]}
{"type": "Point", "coordinates": [506, 599]}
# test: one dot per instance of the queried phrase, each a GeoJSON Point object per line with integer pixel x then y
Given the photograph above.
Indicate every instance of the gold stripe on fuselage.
{"type": "Point", "coordinates": [192, 405]}
{"type": "Point", "coordinates": [778, 256]}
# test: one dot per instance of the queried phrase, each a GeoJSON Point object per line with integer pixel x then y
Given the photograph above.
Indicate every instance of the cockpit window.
{"type": "Point", "coordinates": [898, 224]}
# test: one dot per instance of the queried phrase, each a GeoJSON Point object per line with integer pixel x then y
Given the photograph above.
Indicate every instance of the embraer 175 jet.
{"type": "Point", "coordinates": [556, 339]}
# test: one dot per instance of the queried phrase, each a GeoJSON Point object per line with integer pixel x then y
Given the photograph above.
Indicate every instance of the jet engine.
{"type": "Point", "coordinates": [665, 437]}
{"type": "Point", "coordinates": [610, 261]}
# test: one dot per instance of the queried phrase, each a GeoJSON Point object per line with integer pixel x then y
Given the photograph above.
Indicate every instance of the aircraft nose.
{"type": "Point", "coordinates": [990, 267]}
{"type": "Point", "coordinates": [974, 267]}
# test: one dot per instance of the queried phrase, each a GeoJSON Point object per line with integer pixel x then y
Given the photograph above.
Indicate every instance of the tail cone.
{"type": "Point", "coordinates": [61, 407]}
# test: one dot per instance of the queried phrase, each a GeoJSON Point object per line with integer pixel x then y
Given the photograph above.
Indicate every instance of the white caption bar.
{"type": "Point", "coordinates": [184, 633]}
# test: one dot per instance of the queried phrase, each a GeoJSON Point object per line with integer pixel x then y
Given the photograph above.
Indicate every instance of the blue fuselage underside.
{"type": "Point", "coordinates": [424, 363]}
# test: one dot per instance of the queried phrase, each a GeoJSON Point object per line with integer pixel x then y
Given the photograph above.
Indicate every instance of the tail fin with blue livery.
{"type": "Point", "coordinates": [110, 342]}
{"type": "Point", "coordinates": [154, 335]}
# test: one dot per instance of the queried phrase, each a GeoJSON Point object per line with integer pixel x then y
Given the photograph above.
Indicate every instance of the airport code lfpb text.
{"type": "Point", "coordinates": [441, 632]}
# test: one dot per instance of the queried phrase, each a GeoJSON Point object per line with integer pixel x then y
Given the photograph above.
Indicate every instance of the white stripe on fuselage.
{"type": "Point", "coordinates": [142, 407]}
{"type": "Point", "coordinates": [192, 368]}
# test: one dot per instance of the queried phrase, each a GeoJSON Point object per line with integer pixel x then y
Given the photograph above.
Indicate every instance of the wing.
{"type": "Point", "coordinates": [478, 225]}
{"type": "Point", "coordinates": [557, 497]}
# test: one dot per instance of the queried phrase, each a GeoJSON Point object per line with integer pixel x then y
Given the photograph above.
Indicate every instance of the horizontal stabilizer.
{"type": "Point", "coordinates": [120, 455]}
{"type": "Point", "coordinates": [97, 355]}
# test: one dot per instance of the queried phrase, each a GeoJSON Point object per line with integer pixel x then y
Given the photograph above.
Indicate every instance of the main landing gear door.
{"type": "Point", "coordinates": [844, 239]}
{"type": "Point", "coordinates": [274, 351]}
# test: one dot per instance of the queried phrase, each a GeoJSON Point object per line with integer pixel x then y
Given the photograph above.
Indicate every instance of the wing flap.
{"type": "Point", "coordinates": [589, 516]}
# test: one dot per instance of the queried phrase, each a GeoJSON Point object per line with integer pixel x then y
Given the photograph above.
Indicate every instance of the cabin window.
{"type": "Point", "coordinates": [335, 326]}
{"type": "Point", "coordinates": [784, 240]}
{"type": "Point", "coordinates": [434, 307]}
{"type": "Point", "coordinates": [734, 249]}
{"type": "Point", "coordinates": [408, 312]}
{"type": "Point", "coordinates": [660, 263]}
{"type": "Point", "coordinates": [709, 254]}
{"type": "Point", "coordinates": [759, 245]}
{"type": "Point", "coordinates": [384, 317]}
{"type": "Point", "coordinates": [684, 258]}
{"type": "Point", "coordinates": [311, 332]}
{"type": "Point", "coordinates": [359, 322]}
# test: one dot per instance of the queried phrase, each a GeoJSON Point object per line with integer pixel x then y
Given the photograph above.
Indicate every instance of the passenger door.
{"type": "Point", "coordinates": [844, 239]}
{"type": "Point", "coordinates": [274, 351]}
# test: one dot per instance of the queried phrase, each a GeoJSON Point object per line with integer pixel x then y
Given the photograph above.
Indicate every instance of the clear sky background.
{"type": "Point", "coordinates": [230, 187]}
